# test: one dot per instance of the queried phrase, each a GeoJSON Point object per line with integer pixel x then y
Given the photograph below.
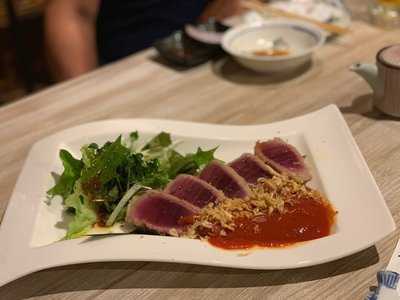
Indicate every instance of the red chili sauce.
{"type": "Point", "coordinates": [304, 220]}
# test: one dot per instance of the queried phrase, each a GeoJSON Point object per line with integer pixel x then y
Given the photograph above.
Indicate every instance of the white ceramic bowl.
{"type": "Point", "coordinates": [302, 38]}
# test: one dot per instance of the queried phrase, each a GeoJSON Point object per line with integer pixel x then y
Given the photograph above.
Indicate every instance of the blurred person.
{"type": "Point", "coordinates": [83, 34]}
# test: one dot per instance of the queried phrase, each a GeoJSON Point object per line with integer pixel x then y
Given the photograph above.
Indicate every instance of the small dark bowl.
{"type": "Point", "coordinates": [183, 50]}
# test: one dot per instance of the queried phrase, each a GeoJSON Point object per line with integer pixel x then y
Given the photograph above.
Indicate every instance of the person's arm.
{"type": "Point", "coordinates": [222, 9]}
{"type": "Point", "coordinates": [70, 29]}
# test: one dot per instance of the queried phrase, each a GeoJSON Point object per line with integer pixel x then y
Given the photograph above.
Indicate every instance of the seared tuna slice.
{"type": "Point", "coordinates": [193, 190]}
{"type": "Point", "coordinates": [160, 212]}
{"type": "Point", "coordinates": [225, 179]}
{"type": "Point", "coordinates": [284, 158]}
{"type": "Point", "coordinates": [251, 168]}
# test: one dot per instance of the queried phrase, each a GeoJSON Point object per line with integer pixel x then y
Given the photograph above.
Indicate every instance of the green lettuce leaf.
{"type": "Point", "coordinates": [89, 154]}
{"type": "Point", "coordinates": [84, 214]}
{"type": "Point", "coordinates": [104, 167]}
{"type": "Point", "coordinates": [145, 172]}
{"type": "Point", "coordinates": [162, 140]}
{"type": "Point", "coordinates": [134, 136]}
{"type": "Point", "coordinates": [177, 164]}
{"type": "Point", "coordinates": [203, 158]}
{"type": "Point", "coordinates": [190, 163]}
{"type": "Point", "coordinates": [72, 171]}
{"type": "Point", "coordinates": [130, 141]}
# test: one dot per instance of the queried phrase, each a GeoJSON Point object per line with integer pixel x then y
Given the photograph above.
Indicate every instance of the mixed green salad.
{"type": "Point", "coordinates": [96, 189]}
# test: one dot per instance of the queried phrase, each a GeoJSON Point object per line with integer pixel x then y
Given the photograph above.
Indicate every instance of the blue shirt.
{"type": "Point", "coordinates": [127, 26]}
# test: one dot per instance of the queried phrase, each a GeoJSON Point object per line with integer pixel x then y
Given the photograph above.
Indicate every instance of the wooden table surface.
{"type": "Point", "coordinates": [223, 93]}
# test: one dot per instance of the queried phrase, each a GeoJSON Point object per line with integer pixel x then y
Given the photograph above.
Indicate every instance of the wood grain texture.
{"type": "Point", "coordinates": [219, 92]}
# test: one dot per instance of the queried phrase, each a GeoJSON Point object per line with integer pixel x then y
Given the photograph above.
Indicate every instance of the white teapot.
{"type": "Point", "coordinates": [384, 79]}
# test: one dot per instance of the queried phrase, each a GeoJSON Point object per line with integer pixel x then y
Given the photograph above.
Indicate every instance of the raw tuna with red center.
{"type": "Point", "coordinates": [193, 190]}
{"type": "Point", "coordinates": [225, 179]}
{"type": "Point", "coordinates": [284, 158]}
{"type": "Point", "coordinates": [160, 212]}
{"type": "Point", "coordinates": [251, 168]}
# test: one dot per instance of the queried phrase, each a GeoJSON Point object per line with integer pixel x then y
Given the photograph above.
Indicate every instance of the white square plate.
{"type": "Point", "coordinates": [30, 230]}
